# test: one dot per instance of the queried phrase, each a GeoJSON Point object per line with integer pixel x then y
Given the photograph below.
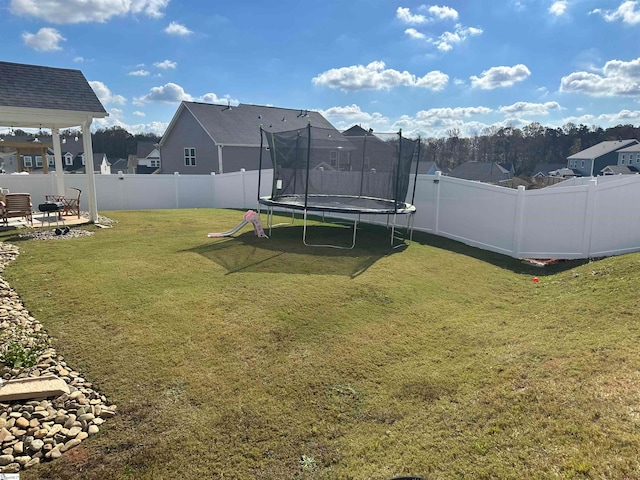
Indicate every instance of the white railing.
{"type": "Point", "coordinates": [592, 218]}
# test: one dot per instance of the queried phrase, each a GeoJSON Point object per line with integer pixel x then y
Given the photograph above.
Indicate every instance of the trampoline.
{"type": "Point", "coordinates": [350, 174]}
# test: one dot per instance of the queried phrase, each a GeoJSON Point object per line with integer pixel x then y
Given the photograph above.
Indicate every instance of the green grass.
{"type": "Point", "coordinates": [255, 358]}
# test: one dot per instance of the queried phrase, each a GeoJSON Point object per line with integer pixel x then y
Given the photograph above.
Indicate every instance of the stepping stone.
{"type": "Point", "coordinates": [32, 388]}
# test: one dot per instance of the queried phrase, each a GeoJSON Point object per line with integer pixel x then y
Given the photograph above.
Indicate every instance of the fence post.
{"type": "Point", "coordinates": [436, 181]}
{"type": "Point", "coordinates": [213, 190]}
{"type": "Point", "coordinates": [244, 190]}
{"type": "Point", "coordinates": [516, 246]}
{"type": "Point", "coordinates": [590, 207]}
{"type": "Point", "coordinates": [176, 178]}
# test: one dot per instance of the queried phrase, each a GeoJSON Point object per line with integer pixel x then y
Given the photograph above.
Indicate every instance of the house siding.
{"type": "Point", "coordinates": [187, 133]}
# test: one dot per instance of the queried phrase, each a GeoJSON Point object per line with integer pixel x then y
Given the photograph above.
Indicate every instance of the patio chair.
{"type": "Point", "coordinates": [17, 205]}
{"type": "Point", "coordinates": [70, 201]}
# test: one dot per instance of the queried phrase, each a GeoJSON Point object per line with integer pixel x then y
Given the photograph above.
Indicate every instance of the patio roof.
{"type": "Point", "coordinates": [33, 96]}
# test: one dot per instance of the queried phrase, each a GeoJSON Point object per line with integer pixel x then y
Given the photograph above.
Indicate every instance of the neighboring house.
{"type": "Point", "coordinates": [377, 153]}
{"type": "Point", "coordinates": [630, 156]}
{"type": "Point", "coordinates": [148, 155]}
{"type": "Point", "coordinates": [205, 138]}
{"type": "Point", "coordinates": [591, 161]}
{"type": "Point", "coordinates": [487, 172]}
{"type": "Point", "coordinates": [542, 170]}
{"type": "Point", "coordinates": [564, 172]}
{"type": "Point", "coordinates": [619, 170]}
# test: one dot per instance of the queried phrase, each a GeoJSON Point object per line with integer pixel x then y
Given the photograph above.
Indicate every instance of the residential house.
{"type": "Point", "coordinates": [204, 138]}
{"type": "Point", "coordinates": [542, 170]}
{"type": "Point", "coordinates": [487, 172]}
{"type": "Point", "coordinates": [619, 170]}
{"type": "Point", "coordinates": [148, 157]}
{"type": "Point", "coordinates": [591, 161]}
{"type": "Point", "coordinates": [630, 156]}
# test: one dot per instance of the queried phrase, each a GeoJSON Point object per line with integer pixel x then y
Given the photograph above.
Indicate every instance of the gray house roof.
{"type": "Point", "coordinates": [619, 169]}
{"type": "Point", "coordinates": [602, 148]}
{"type": "Point", "coordinates": [543, 169]}
{"type": "Point", "coordinates": [632, 149]}
{"type": "Point", "coordinates": [240, 125]}
{"type": "Point", "coordinates": [143, 149]}
{"type": "Point", "coordinates": [31, 86]}
{"type": "Point", "coordinates": [488, 172]}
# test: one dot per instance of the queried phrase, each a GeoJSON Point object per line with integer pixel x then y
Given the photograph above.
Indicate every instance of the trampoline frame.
{"type": "Point", "coordinates": [408, 210]}
{"type": "Point", "coordinates": [395, 208]}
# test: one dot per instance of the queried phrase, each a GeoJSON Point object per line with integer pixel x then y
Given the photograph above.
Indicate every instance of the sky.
{"type": "Point", "coordinates": [426, 68]}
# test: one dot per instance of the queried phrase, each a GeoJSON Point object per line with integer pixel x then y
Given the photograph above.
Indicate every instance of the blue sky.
{"type": "Point", "coordinates": [427, 68]}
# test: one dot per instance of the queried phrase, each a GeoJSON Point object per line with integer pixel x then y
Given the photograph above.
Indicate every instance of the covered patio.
{"type": "Point", "coordinates": [39, 97]}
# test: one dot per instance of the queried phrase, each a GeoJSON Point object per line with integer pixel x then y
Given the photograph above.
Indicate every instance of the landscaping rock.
{"type": "Point", "coordinates": [33, 431]}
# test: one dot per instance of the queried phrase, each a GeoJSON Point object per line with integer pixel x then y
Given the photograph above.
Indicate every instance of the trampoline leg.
{"type": "Point", "coordinates": [304, 235]}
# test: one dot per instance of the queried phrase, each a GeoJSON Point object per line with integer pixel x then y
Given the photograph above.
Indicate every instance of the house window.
{"type": "Point", "coordinates": [190, 157]}
{"type": "Point", "coordinates": [638, 158]}
{"type": "Point", "coordinates": [27, 161]}
{"type": "Point", "coordinates": [82, 157]}
{"type": "Point", "coordinates": [68, 160]}
{"type": "Point", "coordinates": [155, 163]}
{"type": "Point", "coordinates": [582, 164]}
{"type": "Point", "coordinates": [623, 158]}
{"type": "Point", "coordinates": [50, 160]}
{"type": "Point", "coordinates": [333, 158]}
{"type": "Point", "coordinates": [38, 161]}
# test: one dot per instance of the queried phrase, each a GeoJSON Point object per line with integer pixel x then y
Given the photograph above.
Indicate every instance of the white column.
{"type": "Point", "coordinates": [87, 145]}
{"type": "Point", "coordinates": [57, 155]}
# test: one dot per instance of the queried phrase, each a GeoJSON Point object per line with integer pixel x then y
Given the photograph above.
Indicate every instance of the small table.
{"type": "Point", "coordinates": [51, 207]}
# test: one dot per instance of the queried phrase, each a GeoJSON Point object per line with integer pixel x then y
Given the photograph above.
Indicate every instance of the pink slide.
{"type": "Point", "coordinates": [250, 216]}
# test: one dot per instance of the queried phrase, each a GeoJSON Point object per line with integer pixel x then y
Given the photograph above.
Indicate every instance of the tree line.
{"type": "Point", "coordinates": [524, 148]}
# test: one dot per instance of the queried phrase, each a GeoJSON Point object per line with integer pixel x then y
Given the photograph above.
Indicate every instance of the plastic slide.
{"type": "Point", "coordinates": [249, 217]}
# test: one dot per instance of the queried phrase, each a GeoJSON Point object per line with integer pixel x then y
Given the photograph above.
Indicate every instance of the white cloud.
{"type": "Point", "coordinates": [443, 13]}
{"type": "Point", "coordinates": [558, 8]}
{"type": "Point", "coordinates": [626, 12]}
{"type": "Point", "coordinates": [166, 64]}
{"type": "Point", "coordinates": [138, 113]}
{"type": "Point", "coordinates": [375, 76]}
{"type": "Point", "coordinates": [413, 33]}
{"type": "Point", "coordinates": [138, 73]}
{"type": "Point", "coordinates": [525, 108]}
{"type": "Point", "coordinates": [213, 98]}
{"type": "Point", "coordinates": [178, 29]}
{"type": "Point", "coordinates": [79, 11]}
{"type": "Point", "coordinates": [114, 119]}
{"type": "Point", "coordinates": [434, 115]}
{"type": "Point", "coordinates": [447, 40]}
{"type": "Point", "coordinates": [168, 93]}
{"type": "Point", "coordinates": [46, 40]}
{"type": "Point", "coordinates": [623, 117]}
{"type": "Point", "coordinates": [174, 93]}
{"type": "Point", "coordinates": [500, 77]}
{"type": "Point", "coordinates": [78, 60]}
{"type": "Point", "coordinates": [104, 94]}
{"type": "Point", "coordinates": [617, 78]}
{"type": "Point", "coordinates": [405, 15]}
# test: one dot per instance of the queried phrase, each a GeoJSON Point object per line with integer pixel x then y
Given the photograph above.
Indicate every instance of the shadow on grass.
{"type": "Point", "coordinates": [497, 259]}
{"type": "Point", "coordinates": [284, 252]}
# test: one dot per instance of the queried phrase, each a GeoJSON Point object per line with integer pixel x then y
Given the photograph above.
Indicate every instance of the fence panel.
{"type": "Point", "coordinates": [579, 219]}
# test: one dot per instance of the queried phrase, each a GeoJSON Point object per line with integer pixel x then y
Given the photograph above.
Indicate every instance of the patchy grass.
{"type": "Point", "coordinates": [256, 358]}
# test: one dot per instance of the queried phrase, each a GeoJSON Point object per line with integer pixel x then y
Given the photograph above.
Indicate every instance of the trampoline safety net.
{"type": "Point", "coordinates": [356, 163]}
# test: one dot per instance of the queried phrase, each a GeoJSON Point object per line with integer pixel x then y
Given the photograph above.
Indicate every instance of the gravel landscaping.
{"type": "Point", "coordinates": [40, 430]}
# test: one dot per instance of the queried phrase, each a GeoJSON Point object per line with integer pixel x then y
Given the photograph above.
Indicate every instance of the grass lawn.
{"type": "Point", "coordinates": [261, 358]}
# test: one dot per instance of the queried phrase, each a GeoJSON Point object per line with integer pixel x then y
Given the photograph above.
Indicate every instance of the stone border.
{"type": "Point", "coordinates": [36, 431]}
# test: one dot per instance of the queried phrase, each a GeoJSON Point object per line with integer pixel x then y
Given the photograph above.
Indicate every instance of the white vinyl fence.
{"type": "Point", "coordinates": [580, 219]}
